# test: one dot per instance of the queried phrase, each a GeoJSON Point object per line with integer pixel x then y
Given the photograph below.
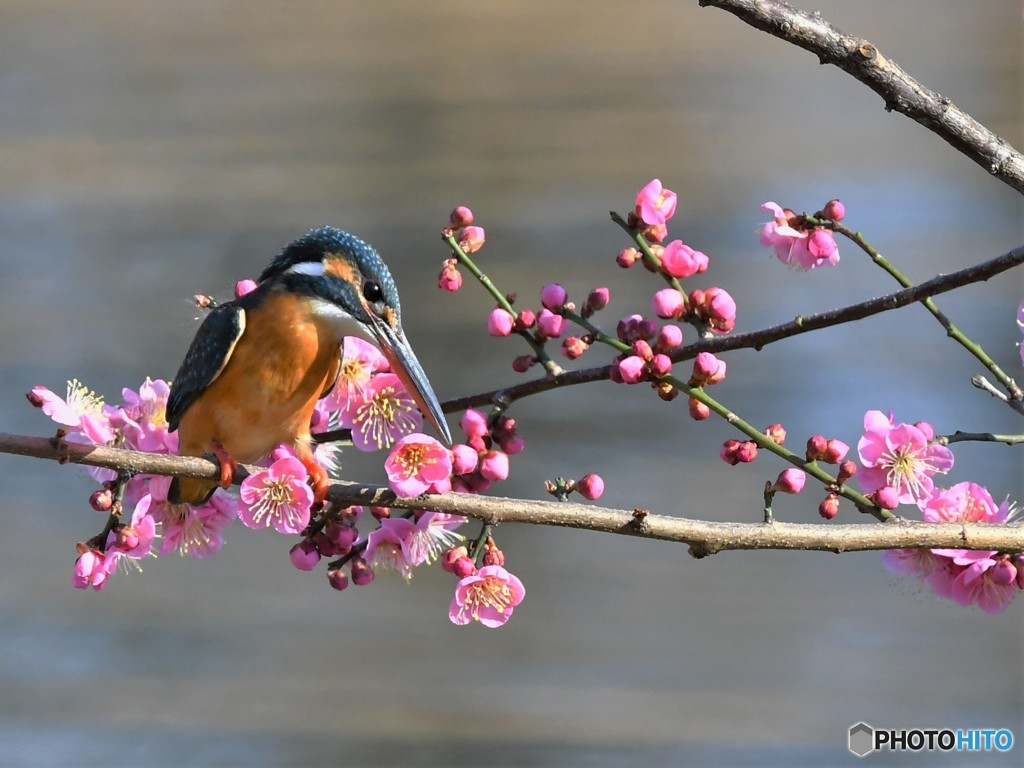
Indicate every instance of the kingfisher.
{"type": "Point", "coordinates": [257, 365]}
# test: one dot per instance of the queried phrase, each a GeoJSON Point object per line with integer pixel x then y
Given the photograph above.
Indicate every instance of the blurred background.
{"type": "Point", "coordinates": [150, 151]}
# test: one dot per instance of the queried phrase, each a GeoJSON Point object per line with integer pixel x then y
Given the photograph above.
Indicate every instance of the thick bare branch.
{"type": "Point", "coordinates": [900, 91]}
{"type": "Point", "coordinates": [703, 537]}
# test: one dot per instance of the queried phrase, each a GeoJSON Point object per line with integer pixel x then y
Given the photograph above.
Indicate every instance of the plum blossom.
{"type": "Point", "coordinates": [654, 204]}
{"type": "Point", "coordinates": [134, 540]}
{"type": "Point", "coordinates": [359, 361]}
{"type": "Point", "coordinates": [433, 533]}
{"type": "Point", "coordinates": [419, 464]}
{"type": "Point", "coordinates": [982, 583]}
{"type": "Point", "coordinates": [387, 413]}
{"type": "Point", "coordinates": [277, 496]}
{"type": "Point", "coordinates": [191, 531]}
{"type": "Point", "coordinates": [386, 547]}
{"type": "Point", "coordinates": [900, 455]}
{"type": "Point", "coordinates": [82, 409]}
{"type": "Point", "coordinates": [142, 418]}
{"type": "Point", "coordinates": [681, 261]}
{"type": "Point", "coordinates": [93, 569]}
{"type": "Point", "coordinates": [794, 246]}
{"type": "Point", "coordinates": [488, 596]}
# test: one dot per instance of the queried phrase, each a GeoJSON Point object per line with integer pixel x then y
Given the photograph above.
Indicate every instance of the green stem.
{"type": "Point", "coordinates": [951, 329]}
{"type": "Point", "coordinates": [552, 368]}
{"type": "Point", "coordinates": [477, 551]}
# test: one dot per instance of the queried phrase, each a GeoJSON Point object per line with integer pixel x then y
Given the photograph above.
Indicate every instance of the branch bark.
{"type": "Point", "coordinates": [902, 93]}
{"type": "Point", "coordinates": [704, 537]}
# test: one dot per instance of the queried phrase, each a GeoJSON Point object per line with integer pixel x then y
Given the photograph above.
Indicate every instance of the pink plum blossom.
{"type": "Point", "coordinates": [385, 547]}
{"type": "Point", "coordinates": [359, 361]}
{"type": "Point", "coordinates": [551, 325]}
{"type": "Point", "coordinates": [142, 418]}
{"type": "Point", "coordinates": [791, 480]}
{"type": "Point", "coordinates": [980, 583]}
{"type": "Point", "coordinates": [93, 569]}
{"type": "Point", "coordinates": [631, 369]}
{"type": "Point", "coordinates": [668, 302]}
{"type": "Point", "coordinates": [681, 261]}
{"type": "Point", "coordinates": [473, 423]}
{"type": "Point", "coordinates": [654, 204]}
{"type": "Point", "coordinates": [590, 486]}
{"type": "Point", "coordinates": [82, 409]}
{"type": "Point", "coordinates": [464, 459]}
{"type": "Point", "coordinates": [433, 533]}
{"type": "Point", "coordinates": [488, 596]}
{"type": "Point", "coordinates": [553, 297]}
{"type": "Point", "coordinates": [450, 279]}
{"type": "Point", "coordinates": [277, 496]}
{"type": "Point", "coordinates": [387, 413]}
{"type": "Point", "coordinates": [494, 465]}
{"type": "Point", "coordinates": [471, 239]}
{"type": "Point", "coordinates": [191, 531]}
{"type": "Point", "coordinates": [899, 455]}
{"type": "Point", "coordinates": [418, 464]}
{"type": "Point", "coordinates": [135, 539]}
{"type": "Point", "coordinates": [304, 555]}
{"type": "Point", "coordinates": [796, 247]}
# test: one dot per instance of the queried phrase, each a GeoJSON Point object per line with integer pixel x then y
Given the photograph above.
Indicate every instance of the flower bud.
{"type": "Point", "coordinates": [791, 480]}
{"type": "Point", "coordinates": [473, 423]}
{"type": "Point", "coordinates": [668, 302]}
{"type": "Point", "coordinates": [362, 573]}
{"type": "Point", "coordinates": [627, 258]}
{"type": "Point", "coordinates": [669, 337]}
{"type": "Point", "coordinates": [660, 365]}
{"type": "Point", "coordinates": [642, 350]}
{"type": "Point", "coordinates": [728, 452]}
{"type": "Point", "coordinates": [464, 459]}
{"type": "Point", "coordinates": [746, 452]}
{"type": "Point", "coordinates": [550, 324]}
{"type": "Point", "coordinates": [460, 217]}
{"type": "Point", "coordinates": [596, 301]}
{"type": "Point", "coordinates": [471, 240]}
{"type": "Point", "coordinates": [451, 556]}
{"type": "Point", "coordinates": [493, 556]}
{"type": "Point", "coordinates": [101, 500]}
{"type": "Point", "coordinates": [631, 369]}
{"type": "Point", "coordinates": [590, 486]}
{"type": "Point", "coordinates": [523, 363]}
{"type": "Point", "coordinates": [573, 347]}
{"type": "Point", "coordinates": [463, 567]}
{"type": "Point", "coordinates": [698, 411]}
{"type": "Point", "coordinates": [553, 297]}
{"type": "Point", "coordinates": [846, 470]}
{"type": "Point", "coordinates": [494, 465]}
{"type": "Point", "coordinates": [816, 447]}
{"type": "Point", "coordinates": [450, 278]}
{"type": "Point", "coordinates": [337, 578]}
{"type": "Point", "coordinates": [829, 508]}
{"type": "Point", "coordinates": [500, 322]}
{"type": "Point", "coordinates": [525, 319]}
{"type": "Point", "coordinates": [834, 210]}
{"type": "Point", "coordinates": [707, 369]}
{"type": "Point", "coordinates": [304, 555]}
{"type": "Point", "coordinates": [835, 451]}
{"type": "Point", "coordinates": [885, 497]}
{"type": "Point", "coordinates": [666, 391]}
{"type": "Point", "coordinates": [926, 429]}
{"type": "Point", "coordinates": [776, 433]}
{"type": "Point", "coordinates": [1003, 572]}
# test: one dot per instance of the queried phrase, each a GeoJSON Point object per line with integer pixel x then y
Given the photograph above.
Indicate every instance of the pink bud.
{"type": "Point", "coordinates": [362, 573]}
{"type": "Point", "coordinates": [596, 301]}
{"type": "Point", "coordinates": [451, 556]}
{"type": "Point", "coordinates": [661, 365]}
{"type": "Point", "coordinates": [1004, 572]}
{"type": "Point", "coordinates": [243, 287]}
{"type": "Point", "coordinates": [553, 296]}
{"type": "Point", "coordinates": [512, 444]}
{"type": "Point", "coordinates": [668, 302]}
{"type": "Point", "coordinates": [669, 337]}
{"type": "Point", "coordinates": [707, 369]}
{"type": "Point", "coordinates": [665, 390]}
{"type": "Point", "coordinates": [525, 319]}
{"type": "Point", "coordinates": [656, 233]}
{"type": "Point", "coordinates": [926, 429]}
{"type": "Point", "coordinates": [590, 486]}
{"type": "Point", "coordinates": [776, 433]}
{"type": "Point", "coordinates": [473, 423]}
{"type": "Point", "coordinates": [471, 240]}
{"type": "Point", "coordinates": [304, 555]}
{"type": "Point", "coordinates": [460, 217]}
{"type": "Point", "coordinates": [627, 258]}
{"type": "Point", "coordinates": [523, 363]}
{"type": "Point", "coordinates": [642, 350]}
{"type": "Point", "coordinates": [337, 578]}
{"type": "Point", "coordinates": [829, 508]}
{"type": "Point", "coordinates": [494, 465]}
{"type": "Point", "coordinates": [846, 470]}
{"type": "Point", "coordinates": [493, 556]}
{"type": "Point", "coordinates": [101, 500]}
{"type": "Point", "coordinates": [573, 347]}
{"type": "Point", "coordinates": [886, 497]}
{"type": "Point", "coordinates": [719, 310]}
{"type": "Point", "coordinates": [380, 513]}
{"type": "Point", "coordinates": [500, 322]}
{"type": "Point", "coordinates": [550, 324]}
{"type": "Point", "coordinates": [729, 451]}
{"type": "Point", "coordinates": [791, 480]}
{"type": "Point", "coordinates": [698, 411]}
{"type": "Point", "coordinates": [835, 451]}
{"type": "Point", "coordinates": [464, 459]}
{"type": "Point", "coordinates": [834, 210]}
{"type": "Point", "coordinates": [450, 278]}
{"type": "Point", "coordinates": [126, 538]}
{"type": "Point", "coordinates": [343, 536]}
{"type": "Point", "coordinates": [463, 567]}
{"type": "Point", "coordinates": [816, 447]}
{"type": "Point", "coordinates": [631, 369]}
{"type": "Point", "coordinates": [746, 452]}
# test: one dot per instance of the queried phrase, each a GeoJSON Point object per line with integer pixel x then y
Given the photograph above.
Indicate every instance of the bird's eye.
{"type": "Point", "coordinates": [372, 292]}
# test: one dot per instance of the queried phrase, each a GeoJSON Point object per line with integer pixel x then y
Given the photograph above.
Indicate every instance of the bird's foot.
{"type": "Point", "coordinates": [227, 465]}
{"type": "Point", "coordinates": [319, 479]}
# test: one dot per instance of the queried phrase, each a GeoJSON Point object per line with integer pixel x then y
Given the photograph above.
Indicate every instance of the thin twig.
{"type": "Point", "coordinates": [901, 92]}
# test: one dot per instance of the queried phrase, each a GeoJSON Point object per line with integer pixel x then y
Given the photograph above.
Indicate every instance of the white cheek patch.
{"type": "Point", "coordinates": [311, 268]}
{"type": "Point", "coordinates": [341, 321]}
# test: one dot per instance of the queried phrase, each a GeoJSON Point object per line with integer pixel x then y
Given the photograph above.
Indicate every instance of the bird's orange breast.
{"type": "Point", "coordinates": [285, 360]}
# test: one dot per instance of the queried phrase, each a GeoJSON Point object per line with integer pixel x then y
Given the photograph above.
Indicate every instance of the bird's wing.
{"type": "Point", "coordinates": [332, 375]}
{"type": "Point", "coordinates": [206, 357]}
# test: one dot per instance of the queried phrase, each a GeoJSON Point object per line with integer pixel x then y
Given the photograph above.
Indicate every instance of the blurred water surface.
{"type": "Point", "coordinates": [150, 151]}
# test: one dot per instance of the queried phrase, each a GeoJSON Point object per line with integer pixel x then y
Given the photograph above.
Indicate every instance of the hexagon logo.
{"type": "Point", "coordinates": [861, 739]}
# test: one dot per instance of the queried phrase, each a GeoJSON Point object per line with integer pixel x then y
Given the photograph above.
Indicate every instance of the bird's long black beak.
{"type": "Point", "coordinates": [404, 364]}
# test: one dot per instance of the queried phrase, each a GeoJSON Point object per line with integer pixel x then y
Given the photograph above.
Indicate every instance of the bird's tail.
{"type": "Point", "coordinates": [190, 490]}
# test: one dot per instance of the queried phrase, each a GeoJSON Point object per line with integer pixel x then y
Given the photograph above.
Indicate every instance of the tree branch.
{"type": "Point", "coordinates": [703, 537]}
{"type": "Point", "coordinates": [900, 91]}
